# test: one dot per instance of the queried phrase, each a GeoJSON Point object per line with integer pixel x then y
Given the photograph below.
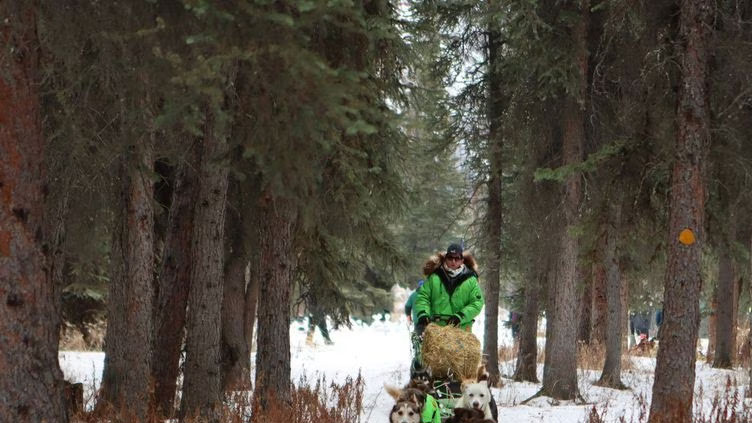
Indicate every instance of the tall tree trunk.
{"type": "Point", "coordinates": [494, 217]}
{"type": "Point", "coordinates": [560, 368]}
{"type": "Point", "coordinates": [126, 380]}
{"type": "Point", "coordinates": [611, 375]}
{"type": "Point", "coordinates": [586, 307]}
{"type": "Point", "coordinates": [236, 359]}
{"type": "Point", "coordinates": [712, 325]}
{"type": "Point", "coordinates": [31, 382]}
{"type": "Point", "coordinates": [675, 368]}
{"type": "Point", "coordinates": [527, 356]}
{"type": "Point", "coordinates": [174, 285]}
{"type": "Point", "coordinates": [600, 303]}
{"type": "Point", "coordinates": [276, 268]}
{"type": "Point", "coordinates": [725, 344]}
{"type": "Point", "coordinates": [202, 387]}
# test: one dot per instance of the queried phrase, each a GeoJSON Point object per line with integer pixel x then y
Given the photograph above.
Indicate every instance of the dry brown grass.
{"type": "Point", "coordinates": [309, 402]}
{"type": "Point", "coordinates": [507, 353]}
{"type": "Point", "coordinates": [742, 344]}
{"type": "Point", "coordinates": [726, 407]}
{"type": "Point", "coordinates": [320, 403]}
{"type": "Point", "coordinates": [590, 356]}
{"type": "Point", "coordinates": [72, 339]}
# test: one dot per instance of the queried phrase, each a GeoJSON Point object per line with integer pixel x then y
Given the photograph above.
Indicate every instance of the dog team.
{"type": "Point", "coordinates": [415, 403]}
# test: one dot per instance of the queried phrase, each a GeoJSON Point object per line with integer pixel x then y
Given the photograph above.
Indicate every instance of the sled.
{"type": "Point", "coordinates": [447, 390]}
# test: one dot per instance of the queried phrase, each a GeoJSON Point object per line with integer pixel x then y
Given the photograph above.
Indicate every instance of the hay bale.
{"type": "Point", "coordinates": [450, 352]}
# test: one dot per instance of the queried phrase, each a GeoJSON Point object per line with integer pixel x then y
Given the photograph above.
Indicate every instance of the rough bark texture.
{"type": "Point", "coordinates": [560, 369]}
{"type": "Point", "coordinates": [126, 380]}
{"type": "Point", "coordinates": [236, 359]}
{"type": "Point", "coordinates": [276, 267]}
{"type": "Point", "coordinates": [675, 368]}
{"type": "Point", "coordinates": [174, 285]}
{"type": "Point", "coordinates": [202, 387]}
{"type": "Point", "coordinates": [611, 375]}
{"type": "Point", "coordinates": [494, 217]}
{"type": "Point", "coordinates": [525, 369]}
{"type": "Point", "coordinates": [725, 342]}
{"type": "Point", "coordinates": [712, 324]}
{"type": "Point", "coordinates": [31, 382]}
{"type": "Point", "coordinates": [586, 306]}
{"type": "Point", "coordinates": [599, 305]}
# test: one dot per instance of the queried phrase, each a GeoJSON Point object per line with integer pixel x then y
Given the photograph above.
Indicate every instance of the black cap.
{"type": "Point", "coordinates": [454, 250]}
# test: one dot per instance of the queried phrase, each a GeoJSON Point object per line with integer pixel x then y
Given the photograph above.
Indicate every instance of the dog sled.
{"type": "Point", "coordinates": [446, 389]}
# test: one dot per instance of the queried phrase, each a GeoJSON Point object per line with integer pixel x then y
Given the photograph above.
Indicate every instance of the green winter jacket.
{"type": "Point", "coordinates": [431, 412]}
{"type": "Point", "coordinates": [409, 305]}
{"type": "Point", "coordinates": [442, 297]}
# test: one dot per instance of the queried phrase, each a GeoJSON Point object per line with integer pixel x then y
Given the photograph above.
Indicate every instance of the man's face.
{"type": "Point", "coordinates": [453, 261]}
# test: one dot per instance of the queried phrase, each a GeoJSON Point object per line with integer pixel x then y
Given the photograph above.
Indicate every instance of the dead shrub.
{"type": "Point", "coordinates": [86, 337]}
{"type": "Point", "coordinates": [320, 403]}
{"type": "Point", "coordinates": [725, 407]}
{"type": "Point", "coordinates": [507, 353]}
{"type": "Point", "coordinates": [742, 345]}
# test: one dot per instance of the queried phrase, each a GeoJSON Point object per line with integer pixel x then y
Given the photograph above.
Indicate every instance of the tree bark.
{"type": "Point", "coordinates": [560, 368]}
{"type": "Point", "coordinates": [174, 285]}
{"type": "Point", "coordinates": [31, 382]}
{"type": "Point", "coordinates": [526, 368]}
{"type": "Point", "coordinates": [202, 387]}
{"type": "Point", "coordinates": [611, 375]}
{"type": "Point", "coordinates": [126, 379]}
{"type": "Point", "coordinates": [725, 344]}
{"type": "Point", "coordinates": [712, 325]}
{"type": "Point", "coordinates": [276, 268]}
{"type": "Point", "coordinates": [586, 306]}
{"type": "Point", "coordinates": [675, 368]}
{"type": "Point", "coordinates": [600, 303]}
{"type": "Point", "coordinates": [494, 217]}
{"type": "Point", "coordinates": [236, 360]}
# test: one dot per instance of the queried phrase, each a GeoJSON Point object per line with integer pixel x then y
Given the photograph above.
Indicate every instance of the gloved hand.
{"type": "Point", "coordinates": [454, 321]}
{"type": "Point", "coordinates": [421, 325]}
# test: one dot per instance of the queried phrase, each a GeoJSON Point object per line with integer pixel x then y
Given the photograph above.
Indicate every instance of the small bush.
{"type": "Point", "coordinates": [725, 407]}
{"type": "Point", "coordinates": [320, 403]}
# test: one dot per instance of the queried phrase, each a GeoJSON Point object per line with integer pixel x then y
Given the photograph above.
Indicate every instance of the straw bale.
{"type": "Point", "coordinates": [450, 352]}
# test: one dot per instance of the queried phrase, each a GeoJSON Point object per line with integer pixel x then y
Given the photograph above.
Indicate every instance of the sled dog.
{"type": "Point", "coordinates": [476, 394]}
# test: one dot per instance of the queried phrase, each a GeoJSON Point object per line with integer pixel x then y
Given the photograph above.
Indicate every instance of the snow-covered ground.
{"type": "Point", "coordinates": [381, 353]}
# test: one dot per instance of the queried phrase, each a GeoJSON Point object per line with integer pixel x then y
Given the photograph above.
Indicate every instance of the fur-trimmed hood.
{"type": "Point", "coordinates": [436, 260]}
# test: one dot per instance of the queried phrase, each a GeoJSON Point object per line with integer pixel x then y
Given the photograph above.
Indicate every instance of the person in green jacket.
{"type": "Point", "coordinates": [410, 303]}
{"type": "Point", "coordinates": [451, 294]}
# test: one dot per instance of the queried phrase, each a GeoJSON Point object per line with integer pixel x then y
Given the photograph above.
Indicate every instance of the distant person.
{"type": "Point", "coordinates": [658, 323]}
{"type": "Point", "coordinates": [639, 325]}
{"type": "Point", "coordinates": [409, 309]}
{"type": "Point", "coordinates": [514, 323]}
{"type": "Point", "coordinates": [318, 320]}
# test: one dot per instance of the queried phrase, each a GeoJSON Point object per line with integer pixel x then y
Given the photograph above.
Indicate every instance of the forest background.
{"type": "Point", "coordinates": [176, 167]}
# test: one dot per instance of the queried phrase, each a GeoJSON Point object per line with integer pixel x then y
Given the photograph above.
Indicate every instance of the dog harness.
{"type": "Point", "coordinates": [430, 412]}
